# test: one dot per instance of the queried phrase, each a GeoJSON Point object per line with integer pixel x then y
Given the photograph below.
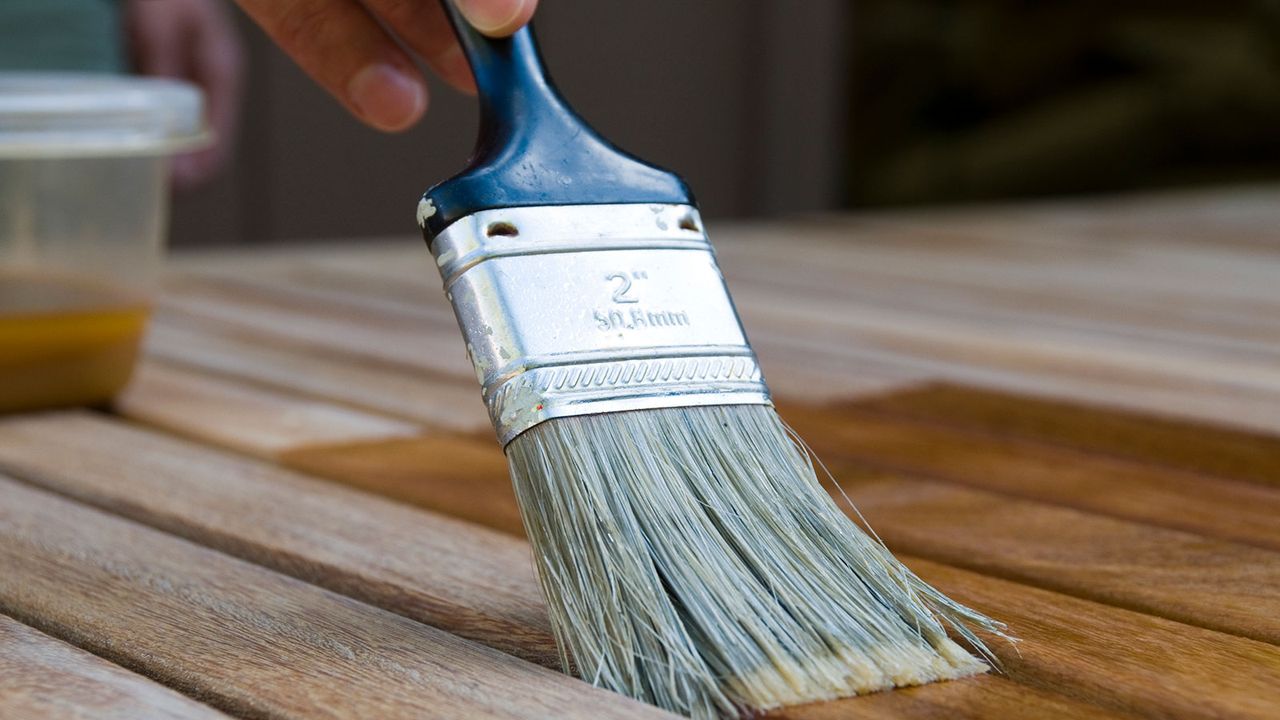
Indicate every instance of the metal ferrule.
{"type": "Point", "coordinates": [575, 310]}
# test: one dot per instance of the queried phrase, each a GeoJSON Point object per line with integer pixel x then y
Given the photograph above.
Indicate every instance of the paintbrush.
{"type": "Point", "coordinates": [689, 555]}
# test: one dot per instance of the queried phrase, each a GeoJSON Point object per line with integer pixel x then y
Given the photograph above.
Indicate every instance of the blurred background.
{"type": "Point", "coordinates": [771, 107]}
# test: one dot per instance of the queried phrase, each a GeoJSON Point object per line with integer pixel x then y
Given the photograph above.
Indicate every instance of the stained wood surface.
{"type": "Point", "coordinates": [44, 677]}
{"type": "Point", "coordinates": [290, 523]}
{"type": "Point", "coordinates": [251, 641]}
{"type": "Point", "coordinates": [1066, 415]}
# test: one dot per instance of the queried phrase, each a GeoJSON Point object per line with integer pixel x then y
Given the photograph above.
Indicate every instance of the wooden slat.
{"type": "Point", "coordinates": [978, 698]}
{"type": "Point", "coordinates": [1159, 495]}
{"type": "Point", "coordinates": [1140, 272]}
{"type": "Point", "coordinates": [363, 384]}
{"type": "Point", "coordinates": [1134, 565]}
{"type": "Point", "coordinates": [1003, 281]}
{"type": "Point", "coordinates": [826, 310]}
{"type": "Point", "coordinates": [412, 338]}
{"type": "Point", "coordinates": [239, 346]}
{"type": "Point", "coordinates": [1238, 392]}
{"type": "Point", "coordinates": [463, 476]}
{"type": "Point", "coordinates": [211, 497]}
{"type": "Point", "coordinates": [350, 542]}
{"type": "Point", "coordinates": [1156, 667]}
{"type": "Point", "coordinates": [250, 419]}
{"type": "Point", "coordinates": [249, 640]}
{"type": "Point", "coordinates": [1039, 544]}
{"type": "Point", "coordinates": [1189, 447]}
{"type": "Point", "coordinates": [41, 677]}
{"type": "Point", "coordinates": [1190, 578]}
{"type": "Point", "coordinates": [1036, 543]}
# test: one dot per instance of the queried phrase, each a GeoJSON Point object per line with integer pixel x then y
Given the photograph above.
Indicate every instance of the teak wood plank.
{"type": "Point", "coordinates": [250, 419]}
{"type": "Point", "coordinates": [352, 283]}
{"type": "Point", "coordinates": [1198, 580]}
{"type": "Point", "coordinates": [1122, 360]}
{"type": "Point", "coordinates": [1167, 443]}
{"type": "Point", "coordinates": [1152, 662]}
{"type": "Point", "coordinates": [290, 522]}
{"type": "Point", "coordinates": [42, 677]}
{"type": "Point", "coordinates": [1224, 508]}
{"type": "Point", "coordinates": [267, 361]}
{"type": "Point", "coordinates": [1195, 579]}
{"type": "Point", "coordinates": [372, 278]}
{"type": "Point", "coordinates": [1009, 281]}
{"type": "Point", "coordinates": [435, 569]}
{"type": "Point", "coordinates": [1141, 272]}
{"type": "Point", "coordinates": [462, 476]}
{"type": "Point", "coordinates": [1019, 356]}
{"type": "Point", "coordinates": [251, 641]}
{"type": "Point", "coordinates": [975, 698]}
{"type": "Point", "coordinates": [410, 338]}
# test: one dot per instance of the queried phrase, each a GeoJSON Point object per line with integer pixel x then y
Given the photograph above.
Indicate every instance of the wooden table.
{"type": "Point", "coordinates": [1065, 415]}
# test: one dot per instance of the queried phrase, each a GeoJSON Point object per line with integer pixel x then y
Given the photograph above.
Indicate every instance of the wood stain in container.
{"type": "Point", "coordinates": [65, 340]}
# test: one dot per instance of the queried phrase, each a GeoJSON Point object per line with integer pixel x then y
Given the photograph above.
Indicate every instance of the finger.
{"type": "Point", "coordinates": [345, 50]}
{"type": "Point", "coordinates": [497, 18]}
{"type": "Point", "coordinates": [155, 39]}
{"type": "Point", "coordinates": [422, 26]}
{"type": "Point", "coordinates": [217, 65]}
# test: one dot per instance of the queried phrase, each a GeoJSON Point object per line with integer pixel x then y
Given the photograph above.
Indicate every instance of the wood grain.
{"type": "Point", "coordinates": [1155, 667]}
{"type": "Point", "coordinates": [1087, 649]}
{"type": "Point", "coordinates": [462, 578]}
{"type": "Point", "coordinates": [1196, 579]}
{"type": "Point", "coordinates": [1190, 578]}
{"type": "Point", "coordinates": [1181, 446]}
{"type": "Point", "coordinates": [41, 677]}
{"type": "Point", "coordinates": [1160, 495]}
{"type": "Point", "coordinates": [415, 339]}
{"type": "Point", "coordinates": [1122, 303]}
{"type": "Point", "coordinates": [1066, 316]}
{"type": "Point", "coordinates": [363, 384]}
{"type": "Point", "coordinates": [977, 698]}
{"type": "Point", "coordinates": [250, 419]}
{"type": "Point", "coordinates": [463, 476]}
{"type": "Point", "coordinates": [251, 641]}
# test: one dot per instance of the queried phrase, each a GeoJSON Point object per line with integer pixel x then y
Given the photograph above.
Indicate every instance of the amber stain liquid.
{"type": "Point", "coordinates": [65, 341]}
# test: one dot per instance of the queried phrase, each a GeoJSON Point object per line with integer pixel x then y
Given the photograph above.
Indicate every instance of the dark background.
{"type": "Point", "coordinates": [773, 107]}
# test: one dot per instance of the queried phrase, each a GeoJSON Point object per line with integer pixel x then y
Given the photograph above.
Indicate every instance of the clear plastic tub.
{"type": "Point", "coordinates": [84, 168]}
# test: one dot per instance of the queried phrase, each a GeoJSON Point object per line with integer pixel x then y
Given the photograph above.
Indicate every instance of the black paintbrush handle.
{"type": "Point", "coordinates": [533, 149]}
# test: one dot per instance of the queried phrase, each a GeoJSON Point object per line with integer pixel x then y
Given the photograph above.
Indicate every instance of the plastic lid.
{"type": "Point", "coordinates": [68, 115]}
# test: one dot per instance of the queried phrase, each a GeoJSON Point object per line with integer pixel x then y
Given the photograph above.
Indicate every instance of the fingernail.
{"type": "Point", "coordinates": [488, 16]}
{"type": "Point", "coordinates": [387, 98]}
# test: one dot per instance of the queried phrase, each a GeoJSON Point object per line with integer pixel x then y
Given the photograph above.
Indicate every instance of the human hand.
{"type": "Point", "coordinates": [193, 40]}
{"type": "Point", "coordinates": [352, 48]}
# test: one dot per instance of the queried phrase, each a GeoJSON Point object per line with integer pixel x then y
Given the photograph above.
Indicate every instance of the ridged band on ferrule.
{"type": "Point", "coordinates": [575, 310]}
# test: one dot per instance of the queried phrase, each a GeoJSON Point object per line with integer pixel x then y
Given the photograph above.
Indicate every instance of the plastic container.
{"type": "Point", "coordinates": [84, 168]}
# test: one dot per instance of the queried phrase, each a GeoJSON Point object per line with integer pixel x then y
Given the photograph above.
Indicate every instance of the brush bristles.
{"type": "Point", "coordinates": [692, 560]}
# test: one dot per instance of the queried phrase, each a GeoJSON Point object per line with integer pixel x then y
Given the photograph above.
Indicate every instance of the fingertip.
{"type": "Point", "coordinates": [386, 97]}
{"type": "Point", "coordinates": [497, 18]}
